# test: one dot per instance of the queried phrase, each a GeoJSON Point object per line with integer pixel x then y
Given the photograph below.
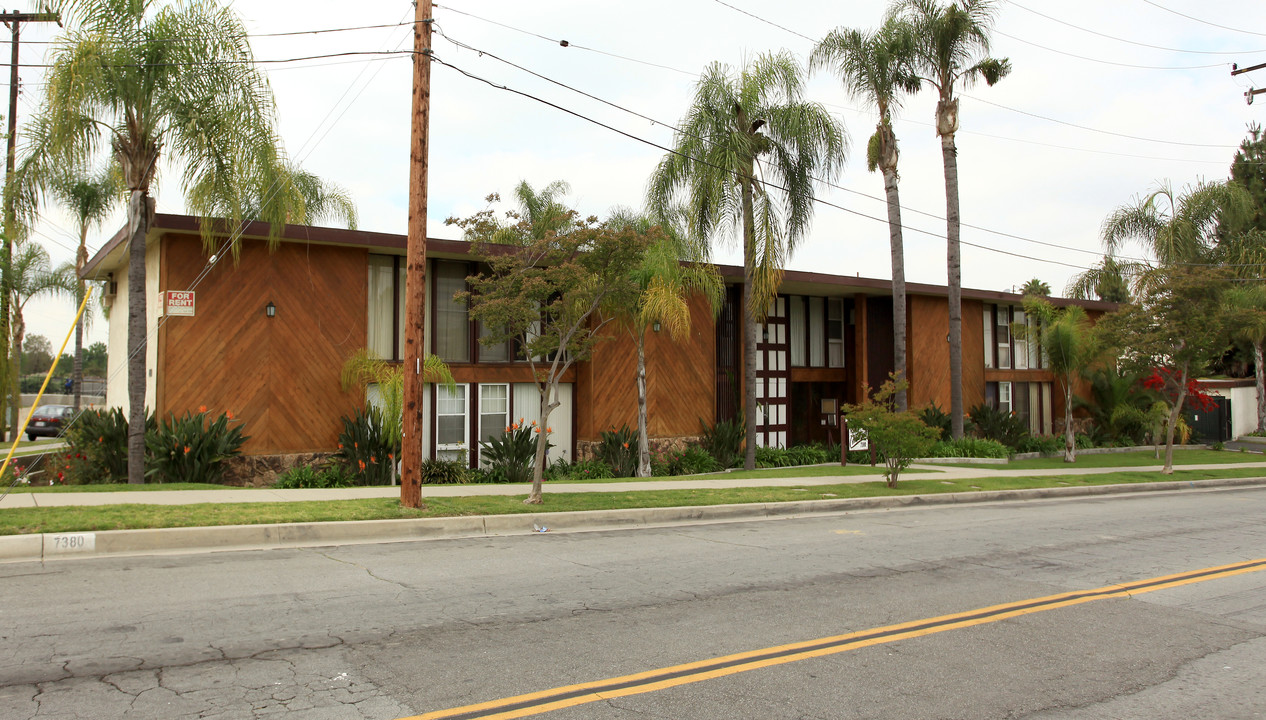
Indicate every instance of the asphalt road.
{"type": "Point", "coordinates": [390, 631]}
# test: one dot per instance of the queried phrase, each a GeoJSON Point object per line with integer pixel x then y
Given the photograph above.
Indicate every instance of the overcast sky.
{"type": "Point", "coordinates": [1091, 116]}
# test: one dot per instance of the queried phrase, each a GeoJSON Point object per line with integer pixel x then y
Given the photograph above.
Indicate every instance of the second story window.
{"type": "Point", "coordinates": [452, 323]}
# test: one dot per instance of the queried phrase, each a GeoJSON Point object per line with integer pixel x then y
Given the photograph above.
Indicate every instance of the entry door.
{"type": "Point", "coordinates": [773, 377]}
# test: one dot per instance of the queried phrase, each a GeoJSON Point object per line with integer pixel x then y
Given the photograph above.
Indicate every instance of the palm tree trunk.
{"type": "Point", "coordinates": [898, 282]}
{"type": "Point", "coordinates": [1070, 443]}
{"type": "Point", "coordinates": [138, 221]}
{"type": "Point", "coordinates": [1259, 374]}
{"type": "Point", "coordinates": [749, 322]}
{"type": "Point", "coordinates": [81, 259]}
{"type": "Point", "coordinates": [643, 443]}
{"type": "Point", "coordinates": [949, 154]}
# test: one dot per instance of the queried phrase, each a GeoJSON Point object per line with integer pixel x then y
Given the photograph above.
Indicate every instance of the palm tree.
{"type": "Point", "coordinates": [363, 368]}
{"type": "Point", "coordinates": [745, 159]}
{"type": "Point", "coordinates": [1036, 288]}
{"type": "Point", "coordinates": [1246, 305]}
{"type": "Point", "coordinates": [30, 276]}
{"type": "Point", "coordinates": [952, 49]}
{"type": "Point", "coordinates": [1178, 228]}
{"type": "Point", "coordinates": [876, 68]}
{"type": "Point", "coordinates": [665, 285]}
{"type": "Point", "coordinates": [1069, 346]}
{"type": "Point", "coordinates": [90, 198]}
{"type": "Point", "coordinates": [1107, 281]}
{"type": "Point", "coordinates": [144, 79]}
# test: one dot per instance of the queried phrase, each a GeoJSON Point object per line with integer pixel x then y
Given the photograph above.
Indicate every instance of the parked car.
{"type": "Point", "coordinates": [49, 420]}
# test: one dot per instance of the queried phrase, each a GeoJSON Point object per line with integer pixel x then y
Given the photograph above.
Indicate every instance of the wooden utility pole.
{"type": "Point", "coordinates": [14, 21]}
{"type": "Point", "coordinates": [415, 263]}
{"type": "Point", "coordinates": [1237, 70]}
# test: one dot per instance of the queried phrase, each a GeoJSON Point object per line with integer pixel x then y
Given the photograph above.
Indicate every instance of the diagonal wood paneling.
{"type": "Point", "coordinates": [679, 380]}
{"type": "Point", "coordinates": [279, 376]}
{"type": "Point", "coordinates": [928, 352]}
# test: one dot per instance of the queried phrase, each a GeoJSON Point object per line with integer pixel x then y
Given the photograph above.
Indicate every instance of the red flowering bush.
{"type": "Point", "coordinates": [1166, 382]}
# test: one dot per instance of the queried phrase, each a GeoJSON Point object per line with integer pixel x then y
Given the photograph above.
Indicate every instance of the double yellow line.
{"type": "Point", "coordinates": [652, 680]}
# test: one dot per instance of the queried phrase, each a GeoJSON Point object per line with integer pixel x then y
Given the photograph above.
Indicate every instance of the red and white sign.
{"type": "Point", "coordinates": [178, 302]}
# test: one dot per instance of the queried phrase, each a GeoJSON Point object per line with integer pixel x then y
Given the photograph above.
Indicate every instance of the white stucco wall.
{"type": "Point", "coordinates": [116, 366]}
{"type": "Point", "coordinates": [1243, 409]}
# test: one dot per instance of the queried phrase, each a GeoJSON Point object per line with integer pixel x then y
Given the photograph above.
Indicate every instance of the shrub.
{"type": "Point", "coordinates": [994, 424]}
{"type": "Point", "coordinates": [934, 417]}
{"type": "Point", "coordinates": [813, 454]}
{"type": "Point", "coordinates": [1045, 444]}
{"type": "Point", "coordinates": [1083, 442]}
{"type": "Point", "coordinates": [562, 471]}
{"type": "Point", "coordinates": [969, 447]}
{"type": "Point", "coordinates": [192, 448]}
{"type": "Point", "coordinates": [898, 437]}
{"type": "Point", "coordinates": [771, 457]}
{"type": "Point", "coordinates": [724, 440]}
{"type": "Point", "coordinates": [363, 448]}
{"type": "Point", "coordinates": [97, 442]}
{"type": "Point", "coordinates": [618, 449]}
{"type": "Point", "coordinates": [307, 476]}
{"type": "Point", "coordinates": [692, 460]}
{"type": "Point", "coordinates": [510, 456]}
{"type": "Point", "coordinates": [434, 471]}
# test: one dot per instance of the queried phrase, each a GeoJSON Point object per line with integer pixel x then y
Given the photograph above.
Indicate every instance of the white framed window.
{"type": "Point", "coordinates": [1004, 396]}
{"type": "Point", "coordinates": [386, 306]}
{"type": "Point", "coordinates": [451, 426]}
{"type": "Point", "coordinates": [494, 410]}
{"type": "Point", "coordinates": [1022, 344]}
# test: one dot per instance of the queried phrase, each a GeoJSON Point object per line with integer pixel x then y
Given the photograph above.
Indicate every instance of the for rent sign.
{"type": "Point", "coordinates": [178, 302]}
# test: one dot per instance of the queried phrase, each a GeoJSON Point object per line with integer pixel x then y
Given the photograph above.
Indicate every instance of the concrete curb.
{"type": "Point", "coordinates": [52, 546]}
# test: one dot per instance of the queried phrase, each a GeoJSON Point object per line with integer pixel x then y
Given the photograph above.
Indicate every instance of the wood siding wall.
{"type": "Point", "coordinates": [680, 381]}
{"type": "Point", "coordinates": [280, 376]}
{"type": "Point", "coordinates": [928, 352]}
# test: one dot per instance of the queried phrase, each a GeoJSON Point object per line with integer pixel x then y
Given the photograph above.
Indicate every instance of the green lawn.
{"type": "Point", "coordinates": [1129, 459]}
{"type": "Point", "coordinates": [133, 516]}
{"type": "Point", "coordinates": [113, 487]}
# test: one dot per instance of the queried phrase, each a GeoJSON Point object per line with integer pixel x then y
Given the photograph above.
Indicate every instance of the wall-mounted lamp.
{"type": "Point", "coordinates": [270, 310]}
{"type": "Point", "coordinates": [655, 327]}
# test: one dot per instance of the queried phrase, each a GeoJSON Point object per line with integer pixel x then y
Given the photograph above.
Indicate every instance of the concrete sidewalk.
{"type": "Point", "coordinates": [715, 482]}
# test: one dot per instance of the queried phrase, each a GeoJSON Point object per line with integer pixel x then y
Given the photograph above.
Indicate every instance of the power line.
{"type": "Point", "coordinates": [1133, 42]}
{"type": "Point", "coordinates": [763, 182]}
{"type": "Point", "coordinates": [1096, 130]}
{"type": "Point", "coordinates": [251, 35]}
{"type": "Point", "coordinates": [1109, 62]}
{"type": "Point", "coordinates": [1205, 22]}
{"type": "Point", "coordinates": [767, 22]}
{"type": "Point", "coordinates": [565, 43]}
{"type": "Point", "coordinates": [203, 63]}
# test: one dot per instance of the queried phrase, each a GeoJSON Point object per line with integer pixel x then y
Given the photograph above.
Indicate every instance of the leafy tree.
{"type": "Point", "coordinates": [877, 68]}
{"type": "Point", "coordinates": [744, 161]}
{"type": "Point", "coordinates": [1249, 170]}
{"type": "Point", "coordinates": [1119, 406]}
{"type": "Point", "coordinates": [1036, 288]}
{"type": "Point", "coordinates": [37, 354]}
{"type": "Point", "coordinates": [665, 285]}
{"type": "Point", "coordinates": [95, 358]}
{"type": "Point", "coordinates": [144, 79]}
{"type": "Point", "coordinates": [897, 436]}
{"type": "Point", "coordinates": [952, 49]}
{"type": "Point", "coordinates": [364, 369]}
{"type": "Point", "coordinates": [1245, 305]}
{"type": "Point", "coordinates": [553, 292]}
{"type": "Point", "coordinates": [1172, 332]}
{"type": "Point", "coordinates": [1068, 342]}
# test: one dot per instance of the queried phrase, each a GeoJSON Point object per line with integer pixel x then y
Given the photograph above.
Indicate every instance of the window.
{"type": "Point", "coordinates": [450, 422]}
{"type": "Point", "coordinates": [817, 332]}
{"type": "Point", "coordinates": [989, 346]}
{"type": "Point", "coordinates": [500, 352]}
{"type": "Point", "coordinates": [1004, 396]}
{"type": "Point", "coordinates": [1003, 335]}
{"type": "Point", "coordinates": [452, 326]}
{"type": "Point", "coordinates": [835, 333]}
{"type": "Point", "coordinates": [1021, 344]}
{"type": "Point", "coordinates": [386, 306]}
{"type": "Point", "coordinates": [494, 411]}
{"type": "Point", "coordinates": [799, 340]}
